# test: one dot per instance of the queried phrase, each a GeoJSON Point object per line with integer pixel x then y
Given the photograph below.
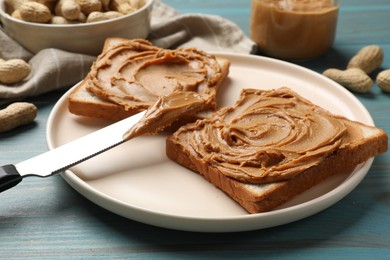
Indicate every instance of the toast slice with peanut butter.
{"type": "Point", "coordinates": [130, 75]}
{"type": "Point", "coordinates": [271, 146]}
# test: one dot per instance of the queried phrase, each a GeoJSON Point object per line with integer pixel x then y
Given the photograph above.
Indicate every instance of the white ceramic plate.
{"type": "Point", "coordinates": [136, 180]}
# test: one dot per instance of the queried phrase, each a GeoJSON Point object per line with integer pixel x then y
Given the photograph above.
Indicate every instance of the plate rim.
{"type": "Point", "coordinates": [219, 224]}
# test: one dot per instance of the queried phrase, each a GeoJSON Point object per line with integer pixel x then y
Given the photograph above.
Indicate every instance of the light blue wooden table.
{"type": "Point", "coordinates": [46, 218]}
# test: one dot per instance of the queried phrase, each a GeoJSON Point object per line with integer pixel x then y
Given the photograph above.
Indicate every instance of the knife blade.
{"type": "Point", "coordinates": [69, 154]}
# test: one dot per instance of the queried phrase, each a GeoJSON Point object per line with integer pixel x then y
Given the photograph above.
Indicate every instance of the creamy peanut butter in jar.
{"type": "Point", "coordinates": [294, 29]}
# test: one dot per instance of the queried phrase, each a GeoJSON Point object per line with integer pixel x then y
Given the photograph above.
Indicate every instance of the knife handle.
{"type": "Point", "coordinates": [9, 177]}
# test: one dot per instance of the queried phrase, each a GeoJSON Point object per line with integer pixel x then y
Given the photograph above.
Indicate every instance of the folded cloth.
{"type": "Point", "coordinates": [208, 32]}
{"type": "Point", "coordinates": [54, 69]}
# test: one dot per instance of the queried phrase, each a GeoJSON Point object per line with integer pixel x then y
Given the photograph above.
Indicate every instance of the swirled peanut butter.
{"type": "Point", "coordinates": [293, 29]}
{"type": "Point", "coordinates": [267, 136]}
{"type": "Point", "coordinates": [165, 111]}
{"type": "Point", "coordinates": [136, 73]}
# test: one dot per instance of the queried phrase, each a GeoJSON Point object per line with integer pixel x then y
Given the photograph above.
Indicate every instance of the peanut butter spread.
{"type": "Point", "coordinates": [293, 29]}
{"type": "Point", "coordinates": [267, 136]}
{"type": "Point", "coordinates": [166, 110]}
{"type": "Point", "coordinates": [136, 73]}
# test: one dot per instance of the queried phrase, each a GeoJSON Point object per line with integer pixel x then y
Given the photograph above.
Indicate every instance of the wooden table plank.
{"type": "Point", "coordinates": [45, 218]}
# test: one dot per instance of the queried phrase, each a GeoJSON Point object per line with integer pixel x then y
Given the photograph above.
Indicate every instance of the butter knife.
{"type": "Point", "coordinates": [68, 155]}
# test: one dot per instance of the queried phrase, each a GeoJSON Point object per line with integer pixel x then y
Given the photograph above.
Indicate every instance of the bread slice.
{"type": "Point", "coordinates": [236, 149]}
{"type": "Point", "coordinates": [89, 98]}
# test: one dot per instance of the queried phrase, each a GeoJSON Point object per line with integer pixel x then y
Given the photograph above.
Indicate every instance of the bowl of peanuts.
{"type": "Point", "coordinates": [79, 26]}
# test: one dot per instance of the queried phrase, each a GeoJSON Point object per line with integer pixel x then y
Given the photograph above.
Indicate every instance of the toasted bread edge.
{"type": "Point", "coordinates": [83, 103]}
{"type": "Point", "coordinates": [265, 197]}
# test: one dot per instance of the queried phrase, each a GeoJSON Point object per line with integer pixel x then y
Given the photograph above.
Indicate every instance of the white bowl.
{"type": "Point", "coordinates": [85, 38]}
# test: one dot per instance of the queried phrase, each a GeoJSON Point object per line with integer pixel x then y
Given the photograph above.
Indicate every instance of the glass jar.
{"type": "Point", "coordinates": [294, 29]}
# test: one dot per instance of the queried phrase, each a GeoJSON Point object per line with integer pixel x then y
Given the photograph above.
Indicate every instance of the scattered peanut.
{"type": "Point", "coordinates": [82, 18]}
{"type": "Point", "coordinates": [369, 58]}
{"type": "Point", "coordinates": [16, 14]}
{"type": "Point", "coordinates": [13, 71]}
{"type": "Point", "coordinates": [61, 20]}
{"type": "Point", "coordinates": [49, 3]}
{"type": "Point", "coordinates": [34, 12]}
{"type": "Point", "coordinates": [137, 3]}
{"type": "Point", "coordinates": [17, 114]}
{"type": "Point", "coordinates": [69, 9]}
{"type": "Point", "coordinates": [12, 5]}
{"type": "Point", "coordinates": [102, 16]}
{"type": "Point", "coordinates": [89, 6]}
{"type": "Point", "coordinates": [122, 6]}
{"type": "Point", "coordinates": [354, 79]}
{"type": "Point", "coordinates": [383, 80]}
{"type": "Point", "coordinates": [74, 11]}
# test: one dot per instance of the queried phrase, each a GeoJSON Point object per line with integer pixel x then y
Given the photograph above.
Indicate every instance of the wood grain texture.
{"type": "Point", "coordinates": [46, 218]}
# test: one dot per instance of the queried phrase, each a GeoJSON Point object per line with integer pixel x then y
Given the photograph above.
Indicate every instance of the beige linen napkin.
{"type": "Point", "coordinates": [54, 69]}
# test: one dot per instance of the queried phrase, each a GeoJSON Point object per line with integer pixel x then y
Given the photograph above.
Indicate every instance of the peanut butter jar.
{"type": "Point", "coordinates": [294, 29]}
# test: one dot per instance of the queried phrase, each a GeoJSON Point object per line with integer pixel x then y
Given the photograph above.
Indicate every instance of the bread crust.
{"type": "Point", "coordinates": [83, 103]}
{"type": "Point", "coordinates": [257, 198]}
{"type": "Point", "coordinates": [274, 195]}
